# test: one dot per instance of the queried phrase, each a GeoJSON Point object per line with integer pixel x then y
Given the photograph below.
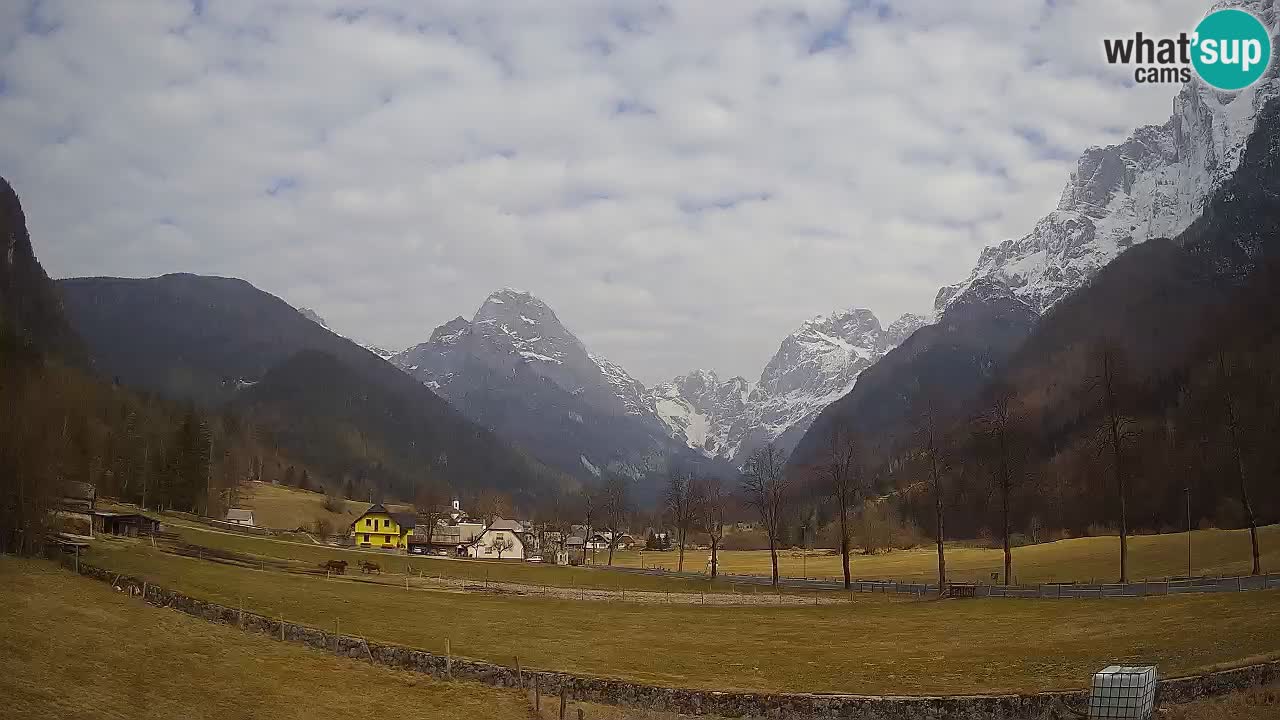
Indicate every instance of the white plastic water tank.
{"type": "Point", "coordinates": [1126, 692]}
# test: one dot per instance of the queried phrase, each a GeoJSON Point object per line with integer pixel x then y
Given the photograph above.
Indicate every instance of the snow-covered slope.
{"type": "Point", "coordinates": [1152, 185]}
{"type": "Point", "coordinates": [814, 366]}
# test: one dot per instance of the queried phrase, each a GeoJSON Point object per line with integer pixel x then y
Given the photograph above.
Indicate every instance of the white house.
{"type": "Point", "coordinates": [502, 539]}
{"type": "Point", "coordinates": [240, 516]}
{"type": "Point", "coordinates": [601, 540]}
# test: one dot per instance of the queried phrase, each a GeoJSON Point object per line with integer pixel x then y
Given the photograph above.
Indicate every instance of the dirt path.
{"type": "Point", "coordinates": [762, 597]}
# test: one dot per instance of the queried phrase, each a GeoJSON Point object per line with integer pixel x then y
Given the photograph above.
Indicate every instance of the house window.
{"type": "Point", "coordinates": [366, 537]}
{"type": "Point", "coordinates": [368, 522]}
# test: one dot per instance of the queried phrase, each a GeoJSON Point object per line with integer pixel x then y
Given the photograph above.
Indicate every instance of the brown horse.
{"type": "Point", "coordinates": [370, 567]}
{"type": "Point", "coordinates": [337, 567]}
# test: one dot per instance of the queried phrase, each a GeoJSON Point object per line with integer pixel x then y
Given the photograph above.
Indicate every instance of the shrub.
{"type": "Point", "coordinates": [323, 527]}
{"type": "Point", "coordinates": [333, 503]}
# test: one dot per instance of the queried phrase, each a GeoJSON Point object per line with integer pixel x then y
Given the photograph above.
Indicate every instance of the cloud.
{"type": "Point", "coordinates": [685, 182]}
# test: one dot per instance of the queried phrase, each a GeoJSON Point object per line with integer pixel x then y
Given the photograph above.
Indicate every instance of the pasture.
{"type": "Point", "coordinates": [873, 644]}
{"type": "Point", "coordinates": [1213, 552]}
{"type": "Point", "coordinates": [72, 648]}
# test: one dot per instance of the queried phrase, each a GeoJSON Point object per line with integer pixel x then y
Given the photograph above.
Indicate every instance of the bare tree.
{"type": "Point", "coordinates": [588, 496]}
{"type": "Point", "coordinates": [680, 508]}
{"type": "Point", "coordinates": [841, 472]}
{"type": "Point", "coordinates": [766, 487]}
{"type": "Point", "coordinates": [429, 504]}
{"type": "Point", "coordinates": [1115, 433]}
{"type": "Point", "coordinates": [932, 445]}
{"type": "Point", "coordinates": [615, 508]}
{"type": "Point", "coordinates": [709, 504]}
{"type": "Point", "coordinates": [1002, 446]}
{"type": "Point", "coordinates": [1234, 381]}
{"type": "Point", "coordinates": [501, 545]}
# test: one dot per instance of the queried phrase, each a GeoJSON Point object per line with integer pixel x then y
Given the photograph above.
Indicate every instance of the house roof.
{"type": "Point", "coordinates": [404, 519]}
{"type": "Point", "coordinates": [239, 514]}
{"type": "Point", "coordinates": [508, 525]}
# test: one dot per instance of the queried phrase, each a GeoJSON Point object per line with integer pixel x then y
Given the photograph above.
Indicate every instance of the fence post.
{"type": "Point", "coordinates": [564, 697]}
{"type": "Point", "coordinates": [519, 674]}
{"type": "Point", "coordinates": [537, 694]}
{"type": "Point", "coordinates": [448, 660]}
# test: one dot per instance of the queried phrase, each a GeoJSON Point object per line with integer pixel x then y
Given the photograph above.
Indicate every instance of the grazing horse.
{"type": "Point", "coordinates": [370, 567]}
{"type": "Point", "coordinates": [337, 567]}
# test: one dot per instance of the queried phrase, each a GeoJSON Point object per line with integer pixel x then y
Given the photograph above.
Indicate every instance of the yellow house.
{"type": "Point", "coordinates": [381, 528]}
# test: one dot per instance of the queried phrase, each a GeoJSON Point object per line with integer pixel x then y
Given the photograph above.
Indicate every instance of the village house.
{"type": "Point", "coordinates": [600, 541]}
{"type": "Point", "coordinates": [378, 527]}
{"type": "Point", "coordinates": [124, 523]}
{"type": "Point", "coordinates": [501, 539]}
{"type": "Point", "coordinates": [451, 538]}
{"type": "Point", "coordinates": [240, 516]}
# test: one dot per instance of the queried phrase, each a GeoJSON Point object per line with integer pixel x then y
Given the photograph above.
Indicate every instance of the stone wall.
{"type": "Point", "coordinates": [1038, 706]}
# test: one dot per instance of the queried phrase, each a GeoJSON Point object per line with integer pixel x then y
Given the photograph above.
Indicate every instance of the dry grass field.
{"type": "Point", "coordinates": [870, 645]}
{"type": "Point", "coordinates": [1214, 552]}
{"type": "Point", "coordinates": [72, 648]}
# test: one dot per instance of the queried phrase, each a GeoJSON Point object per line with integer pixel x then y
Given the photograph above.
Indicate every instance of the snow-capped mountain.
{"type": "Point", "coordinates": [516, 368]}
{"type": "Point", "coordinates": [814, 366]}
{"type": "Point", "coordinates": [1154, 184]}
{"type": "Point", "coordinates": [701, 410]}
{"type": "Point", "coordinates": [314, 317]}
{"type": "Point", "coordinates": [514, 331]}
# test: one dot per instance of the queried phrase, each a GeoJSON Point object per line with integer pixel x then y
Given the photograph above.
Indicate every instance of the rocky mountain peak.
{"type": "Point", "coordinates": [902, 328]}
{"type": "Point", "coordinates": [451, 332]}
{"type": "Point", "coordinates": [1154, 184]}
{"type": "Point", "coordinates": [814, 365]}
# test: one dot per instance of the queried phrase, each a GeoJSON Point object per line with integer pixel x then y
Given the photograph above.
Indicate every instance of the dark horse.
{"type": "Point", "coordinates": [337, 567]}
{"type": "Point", "coordinates": [370, 567]}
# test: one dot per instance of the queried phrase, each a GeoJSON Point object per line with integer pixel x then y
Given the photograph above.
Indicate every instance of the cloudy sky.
{"type": "Point", "coordinates": [684, 182]}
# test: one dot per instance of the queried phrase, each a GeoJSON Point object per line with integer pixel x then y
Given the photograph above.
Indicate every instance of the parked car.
{"type": "Point", "coordinates": [533, 558]}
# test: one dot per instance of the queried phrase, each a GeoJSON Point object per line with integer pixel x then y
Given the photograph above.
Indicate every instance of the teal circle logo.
{"type": "Point", "coordinates": [1232, 49]}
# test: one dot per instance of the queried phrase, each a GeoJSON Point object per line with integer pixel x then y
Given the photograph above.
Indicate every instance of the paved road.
{"type": "Point", "coordinates": [1049, 590]}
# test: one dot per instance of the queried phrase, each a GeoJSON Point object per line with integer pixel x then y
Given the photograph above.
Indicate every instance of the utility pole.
{"type": "Point", "coordinates": [1187, 492]}
{"type": "Point", "coordinates": [804, 553]}
{"type": "Point", "coordinates": [146, 470]}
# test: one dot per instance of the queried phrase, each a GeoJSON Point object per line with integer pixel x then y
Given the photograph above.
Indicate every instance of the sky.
{"type": "Point", "coordinates": [683, 182]}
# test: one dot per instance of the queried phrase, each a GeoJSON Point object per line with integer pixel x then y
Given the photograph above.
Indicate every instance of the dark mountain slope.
{"type": "Point", "coordinates": [336, 418]}
{"type": "Point", "coordinates": [210, 338]}
{"type": "Point", "coordinates": [195, 336]}
{"type": "Point", "coordinates": [30, 309]}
